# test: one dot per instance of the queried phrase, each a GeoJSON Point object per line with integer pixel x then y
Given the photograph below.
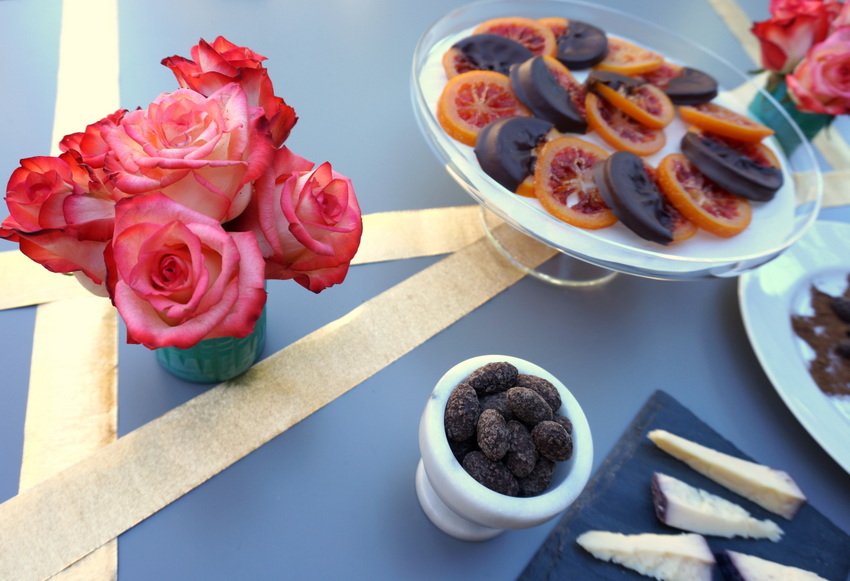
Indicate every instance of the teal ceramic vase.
{"type": "Point", "coordinates": [215, 360]}
{"type": "Point", "coordinates": [810, 124]}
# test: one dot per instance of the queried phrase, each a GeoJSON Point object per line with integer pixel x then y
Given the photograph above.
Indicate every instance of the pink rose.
{"type": "Point", "coordinates": [307, 221]}
{"type": "Point", "coordinates": [821, 83]}
{"type": "Point", "coordinates": [794, 27]}
{"type": "Point", "coordinates": [791, 8]}
{"type": "Point", "coordinates": [90, 143]}
{"type": "Point", "coordinates": [203, 152]}
{"type": "Point", "coordinates": [177, 277]}
{"type": "Point", "coordinates": [842, 19]}
{"type": "Point", "coordinates": [60, 214]}
{"type": "Point", "coordinates": [222, 62]}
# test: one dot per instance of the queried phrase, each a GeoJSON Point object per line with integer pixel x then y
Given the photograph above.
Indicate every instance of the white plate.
{"type": "Point", "coordinates": [776, 225]}
{"type": "Point", "coordinates": [769, 296]}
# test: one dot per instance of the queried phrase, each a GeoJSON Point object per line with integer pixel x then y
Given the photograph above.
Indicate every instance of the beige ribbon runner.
{"type": "Point", "coordinates": [410, 233]}
{"type": "Point", "coordinates": [72, 402]}
{"type": "Point", "coordinates": [71, 405]}
{"type": "Point", "coordinates": [67, 516]}
{"type": "Point", "coordinates": [24, 282]}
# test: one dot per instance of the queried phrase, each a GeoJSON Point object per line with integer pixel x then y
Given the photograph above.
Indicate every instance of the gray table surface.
{"type": "Point", "coordinates": [333, 496]}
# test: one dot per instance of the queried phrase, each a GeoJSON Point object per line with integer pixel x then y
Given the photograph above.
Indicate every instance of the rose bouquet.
{"type": "Point", "coordinates": [805, 45]}
{"type": "Point", "coordinates": [180, 211]}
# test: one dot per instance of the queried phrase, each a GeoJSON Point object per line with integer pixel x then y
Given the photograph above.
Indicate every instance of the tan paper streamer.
{"type": "Point", "coordinates": [830, 143]}
{"type": "Point", "coordinates": [836, 188]}
{"type": "Point", "coordinates": [398, 235]}
{"type": "Point", "coordinates": [92, 502]}
{"type": "Point", "coordinates": [24, 282]}
{"type": "Point", "coordinates": [71, 406]}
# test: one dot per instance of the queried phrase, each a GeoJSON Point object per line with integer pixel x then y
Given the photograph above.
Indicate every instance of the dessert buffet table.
{"type": "Point", "coordinates": [333, 495]}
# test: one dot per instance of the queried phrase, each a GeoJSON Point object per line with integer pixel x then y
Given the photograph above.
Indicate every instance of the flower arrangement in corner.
{"type": "Point", "coordinates": [179, 212]}
{"type": "Point", "coordinates": [806, 44]}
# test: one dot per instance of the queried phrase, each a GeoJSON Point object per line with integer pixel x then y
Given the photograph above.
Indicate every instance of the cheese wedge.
{"type": "Point", "coordinates": [680, 557]}
{"type": "Point", "coordinates": [771, 489]}
{"type": "Point", "coordinates": [680, 505]}
{"type": "Point", "coordinates": [750, 568]}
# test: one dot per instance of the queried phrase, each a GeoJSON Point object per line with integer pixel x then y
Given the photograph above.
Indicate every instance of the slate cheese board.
{"type": "Point", "coordinates": [618, 498]}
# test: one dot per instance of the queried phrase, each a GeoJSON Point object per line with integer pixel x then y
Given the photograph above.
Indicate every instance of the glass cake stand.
{"type": "Point", "coordinates": [776, 225]}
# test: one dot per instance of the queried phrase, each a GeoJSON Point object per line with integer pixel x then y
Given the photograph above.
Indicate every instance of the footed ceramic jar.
{"type": "Point", "coordinates": [465, 509]}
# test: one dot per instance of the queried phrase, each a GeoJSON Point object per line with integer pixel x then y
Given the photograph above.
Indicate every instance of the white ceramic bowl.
{"type": "Point", "coordinates": [462, 507]}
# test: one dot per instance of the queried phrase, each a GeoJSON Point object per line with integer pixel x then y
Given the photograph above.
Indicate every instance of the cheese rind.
{"type": "Point", "coordinates": [680, 505]}
{"type": "Point", "coordinates": [771, 489]}
{"type": "Point", "coordinates": [741, 567]}
{"type": "Point", "coordinates": [679, 557]}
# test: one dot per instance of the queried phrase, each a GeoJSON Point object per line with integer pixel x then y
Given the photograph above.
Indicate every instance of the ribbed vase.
{"type": "Point", "coordinates": [810, 124]}
{"type": "Point", "coordinates": [215, 360]}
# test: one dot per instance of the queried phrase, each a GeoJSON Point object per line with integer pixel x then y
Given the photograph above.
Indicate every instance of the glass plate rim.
{"type": "Point", "coordinates": [702, 266]}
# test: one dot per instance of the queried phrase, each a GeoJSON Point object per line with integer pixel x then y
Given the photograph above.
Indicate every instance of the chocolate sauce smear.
{"type": "Point", "coordinates": [828, 334]}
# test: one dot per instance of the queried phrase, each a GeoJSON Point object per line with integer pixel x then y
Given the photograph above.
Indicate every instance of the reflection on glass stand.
{"type": "Point", "coordinates": [562, 270]}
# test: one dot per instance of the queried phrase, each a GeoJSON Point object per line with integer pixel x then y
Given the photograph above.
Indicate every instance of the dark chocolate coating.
{"type": "Point", "coordinates": [552, 441]}
{"type": "Point", "coordinates": [505, 148]}
{"type": "Point", "coordinates": [582, 46]}
{"type": "Point", "coordinates": [841, 307]}
{"type": "Point", "coordinates": [538, 481]}
{"type": "Point", "coordinates": [493, 475]}
{"type": "Point", "coordinates": [522, 453]}
{"type": "Point", "coordinates": [613, 80]}
{"type": "Point", "coordinates": [493, 436]}
{"type": "Point", "coordinates": [492, 52]}
{"type": "Point", "coordinates": [492, 377]}
{"type": "Point", "coordinates": [462, 411]}
{"type": "Point", "coordinates": [633, 197]}
{"type": "Point", "coordinates": [731, 170]}
{"type": "Point", "coordinates": [539, 90]}
{"type": "Point", "coordinates": [542, 386]}
{"type": "Point", "coordinates": [691, 87]}
{"type": "Point", "coordinates": [528, 405]}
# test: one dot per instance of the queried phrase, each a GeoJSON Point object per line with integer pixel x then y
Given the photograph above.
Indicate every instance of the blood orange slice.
{"type": "Point", "coordinates": [565, 78]}
{"type": "Point", "coordinates": [621, 131]}
{"type": "Point", "coordinates": [473, 99]}
{"type": "Point", "coordinates": [629, 59]}
{"type": "Point", "coordinates": [681, 226]}
{"type": "Point", "coordinates": [536, 36]}
{"type": "Point", "coordinates": [565, 186]}
{"type": "Point", "coordinates": [700, 200]}
{"type": "Point", "coordinates": [643, 102]}
{"type": "Point", "coordinates": [556, 24]}
{"type": "Point", "coordinates": [723, 121]}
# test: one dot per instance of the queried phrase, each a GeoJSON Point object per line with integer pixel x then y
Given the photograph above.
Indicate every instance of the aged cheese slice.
{"type": "Point", "coordinates": [771, 489]}
{"type": "Point", "coordinates": [750, 568]}
{"type": "Point", "coordinates": [680, 505]}
{"type": "Point", "coordinates": [680, 557]}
